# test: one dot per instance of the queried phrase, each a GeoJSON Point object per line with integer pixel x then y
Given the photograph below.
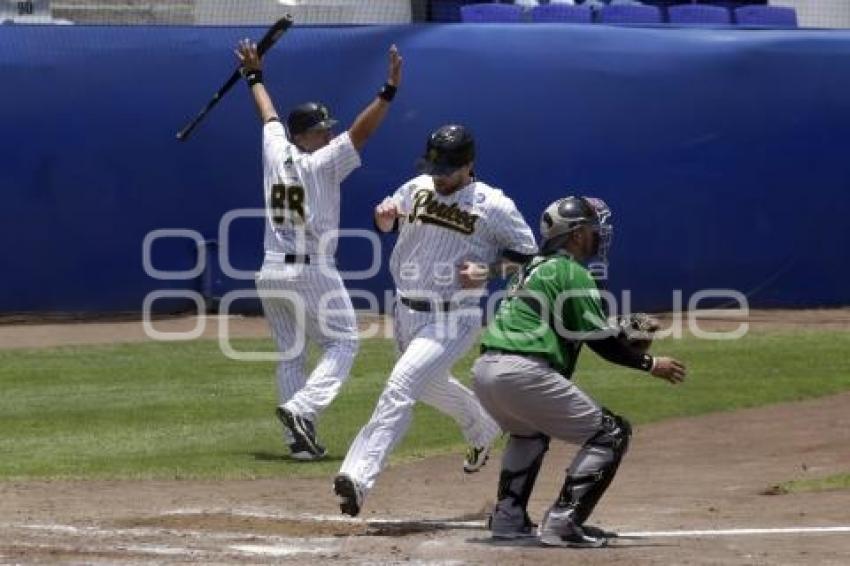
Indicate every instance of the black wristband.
{"type": "Point", "coordinates": [253, 77]}
{"type": "Point", "coordinates": [616, 350]}
{"type": "Point", "coordinates": [387, 92]}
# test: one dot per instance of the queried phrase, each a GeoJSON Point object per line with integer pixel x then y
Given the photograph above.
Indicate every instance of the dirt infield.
{"type": "Point", "coordinates": [705, 473]}
{"type": "Point", "coordinates": [691, 491]}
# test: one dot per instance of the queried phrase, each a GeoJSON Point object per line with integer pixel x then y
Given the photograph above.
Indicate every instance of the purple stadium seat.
{"type": "Point", "coordinates": [629, 14]}
{"type": "Point", "coordinates": [768, 16]}
{"type": "Point", "coordinates": [562, 13]}
{"type": "Point", "coordinates": [698, 14]}
{"type": "Point", "coordinates": [490, 13]}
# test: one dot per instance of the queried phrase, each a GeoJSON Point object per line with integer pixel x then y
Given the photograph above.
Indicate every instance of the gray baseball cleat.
{"type": "Point", "coordinates": [351, 493]}
{"type": "Point", "coordinates": [592, 531]}
{"type": "Point", "coordinates": [304, 445]}
{"type": "Point", "coordinates": [559, 529]}
{"type": "Point", "coordinates": [510, 523]}
{"type": "Point", "coordinates": [476, 457]}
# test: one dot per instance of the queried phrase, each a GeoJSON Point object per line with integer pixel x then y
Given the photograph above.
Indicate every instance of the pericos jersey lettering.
{"type": "Point", "coordinates": [430, 211]}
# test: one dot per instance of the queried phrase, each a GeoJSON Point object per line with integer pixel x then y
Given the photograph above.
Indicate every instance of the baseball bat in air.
{"type": "Point", "coordinates": [268, 40]}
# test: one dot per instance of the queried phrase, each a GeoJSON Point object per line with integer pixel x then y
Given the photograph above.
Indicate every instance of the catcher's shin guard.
{"type": "Point", "coordinates": [520, 467]}
{"type": "Point", "coordinates": [594, 467]}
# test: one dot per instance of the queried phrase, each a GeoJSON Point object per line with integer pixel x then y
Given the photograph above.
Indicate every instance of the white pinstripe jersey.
{"type": "Point", "coordinates": [302, 192]}
{"type": "Point", "coordinates": [437, 233]}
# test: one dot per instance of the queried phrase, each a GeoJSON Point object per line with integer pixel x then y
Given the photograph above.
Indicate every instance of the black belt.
{"type": "Point", "coordinates": [292, 258]}
{"type": "Point", "coordinates": [537, 356]}
{"type": "Point", "coordinates": [423, 305]}
{"type": "Point", "coordinates": [485, 349]}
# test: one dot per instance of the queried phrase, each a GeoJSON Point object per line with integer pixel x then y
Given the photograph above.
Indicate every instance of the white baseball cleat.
{"type": "Point", "coordinates": [476, 457]}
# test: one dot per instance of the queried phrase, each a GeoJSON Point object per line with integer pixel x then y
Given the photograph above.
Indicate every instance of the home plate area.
{"type": "Point", "coordinates": [251, 536]}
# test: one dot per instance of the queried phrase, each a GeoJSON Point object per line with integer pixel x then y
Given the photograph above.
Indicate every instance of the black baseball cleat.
{"type": "Point", "coordinates": [351, 494]}
{"type": "Point", "coordinates": [510, 523]}
{"type": "Point", "coordinates": [304, 446]}
{"type": "Point", "coordinates": [301, 451]}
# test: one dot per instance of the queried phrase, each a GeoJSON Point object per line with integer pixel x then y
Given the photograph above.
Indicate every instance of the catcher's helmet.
{"type": "Point", "coordinates": [566, 214]}
{"type": "Point", "coordinates": [309, 116]}
{"type": "Point", "coordinates": [448, 149]}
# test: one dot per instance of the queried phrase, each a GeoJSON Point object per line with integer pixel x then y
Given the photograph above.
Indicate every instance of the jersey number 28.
{"type": "Point", "coordinates": [286, 202]}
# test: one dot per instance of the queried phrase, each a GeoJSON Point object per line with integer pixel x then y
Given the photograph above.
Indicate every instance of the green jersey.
{"type": "Point", "coordinates": [552, 302]}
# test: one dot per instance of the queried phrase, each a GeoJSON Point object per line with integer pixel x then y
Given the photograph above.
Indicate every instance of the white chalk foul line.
{"type": "Point", "coordinates": [89, 531]}
{"type": "Point", "coordinates": [449, 524]}
{"type": "Point", "coordinates": [282, 546]}
{"type": "Point", "coordinates": [339, 519]}
{"type": "Point", "coordinates": [278, 546]}
{"type": "Point", "coordinates": [104, 532]}
{"type": "Point", "coordinates": [152, 549]}
{"type": "Point", "coordinates": [738, 532]}
{"type": "Point", "coordinates": [278, 550]}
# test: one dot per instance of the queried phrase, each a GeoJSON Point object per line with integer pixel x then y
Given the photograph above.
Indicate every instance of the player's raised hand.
{"type": "Point", "coordinates": [473, 275]}
{"type": "Point", "coordinates": [386, 214]}
{"type": "Point", "coordinates": [669, 369]}
{"type": "Point", "coordinates": [371, 117]}
{"type": "Point", "coordinates": [394, 75]}
{"type": "Point", "coordinates": [249, 58]}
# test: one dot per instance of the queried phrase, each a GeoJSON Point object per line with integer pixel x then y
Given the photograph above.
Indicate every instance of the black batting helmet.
{"type": "Point", "coordinates": [309, 116]}
{"type": "Point", "coordinates": [448, 149]}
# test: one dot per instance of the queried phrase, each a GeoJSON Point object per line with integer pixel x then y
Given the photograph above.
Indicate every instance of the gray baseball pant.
{"type": "Point", "coordinates": [527, 397]}
{"type": "Point", "coordinates": [533, 403]}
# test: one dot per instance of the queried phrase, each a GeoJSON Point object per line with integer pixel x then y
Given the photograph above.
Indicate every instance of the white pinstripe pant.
{"type": "Point", "coordinates": [327, 319]}
{"type": "Point", "coordinates": [430, 344]}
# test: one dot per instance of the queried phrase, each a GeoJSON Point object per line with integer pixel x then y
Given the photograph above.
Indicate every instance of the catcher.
{"type": "Point", "coordinates": [529, 352]}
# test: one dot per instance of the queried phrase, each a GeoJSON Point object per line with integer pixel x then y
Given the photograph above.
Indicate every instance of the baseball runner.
{"type": "Point", "coordinates": [529, 352]}
{"type": "Point", "coordinates": [451, 227]}
{"type": "Point", "coordinates": [302, 293]}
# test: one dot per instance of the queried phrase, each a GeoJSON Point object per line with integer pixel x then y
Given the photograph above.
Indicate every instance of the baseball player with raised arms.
{"type": "Point", "coordinates": [301, 290]}
{"type": "Point", "coordinates": [450, 225]}
{"type": "Point", "coordinates": [530, 350]}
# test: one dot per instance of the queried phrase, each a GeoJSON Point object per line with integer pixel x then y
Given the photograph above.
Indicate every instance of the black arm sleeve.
{"type": "Point", "coordinates": [617, 351]}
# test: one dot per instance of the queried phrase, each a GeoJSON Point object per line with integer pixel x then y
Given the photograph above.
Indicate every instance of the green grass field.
{"type": "Point", "coordinates": [829, 483]}
{"type": "Point", "coordinates": [180, 410]}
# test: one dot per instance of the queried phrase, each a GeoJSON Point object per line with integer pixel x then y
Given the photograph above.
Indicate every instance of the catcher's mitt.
{"type": "Point", "coordinates": [638, 329]}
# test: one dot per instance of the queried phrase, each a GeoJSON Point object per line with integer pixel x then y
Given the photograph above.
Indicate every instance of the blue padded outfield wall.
{"type": "Point", "coordinates": [725, 154]}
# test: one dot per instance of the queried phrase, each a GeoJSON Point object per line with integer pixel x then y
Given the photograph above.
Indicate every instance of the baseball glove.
{"type": "Point", "coordinates": [638, 329]}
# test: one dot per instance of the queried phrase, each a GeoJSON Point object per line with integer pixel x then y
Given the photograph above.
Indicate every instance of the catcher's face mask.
{"type": "Point", "coordinates": [603, 230]}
